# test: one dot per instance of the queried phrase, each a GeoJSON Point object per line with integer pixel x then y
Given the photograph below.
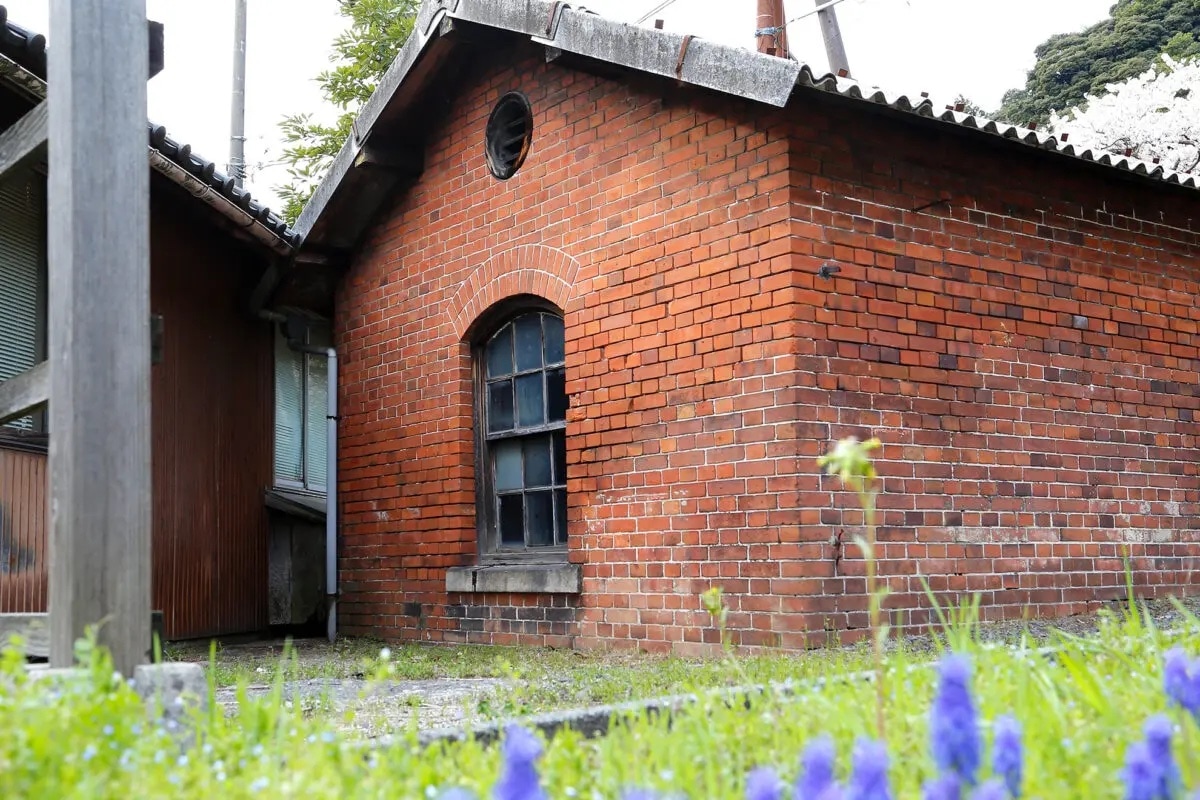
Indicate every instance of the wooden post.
{"type": "Point", "coordinates": [835, 49]}
{"type": "Point", "coordinates": [98, 219]}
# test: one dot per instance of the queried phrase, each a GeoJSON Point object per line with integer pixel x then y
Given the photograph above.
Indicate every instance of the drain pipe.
{"type": "Point", "coordinates": [331, 469]}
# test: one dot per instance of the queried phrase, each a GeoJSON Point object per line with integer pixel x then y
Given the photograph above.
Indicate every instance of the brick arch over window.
{"type": "Point", "coordinates": [524, 270]}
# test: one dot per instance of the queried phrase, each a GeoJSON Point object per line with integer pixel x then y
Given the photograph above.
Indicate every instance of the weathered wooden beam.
{"type": "Point", "coordinates": [25, 140]}
{"type": "Point", "coordinates": [99, 298]}
{"type": "Point", "coordinates": [24, 393]}
{"type": "Point", "coordinates": [406, 161]}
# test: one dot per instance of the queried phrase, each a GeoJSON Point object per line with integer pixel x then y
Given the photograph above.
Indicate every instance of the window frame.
{"type": "Point", "coordinates": [303, 485]}
{"type": "Point", "coordinates": [486, 522]}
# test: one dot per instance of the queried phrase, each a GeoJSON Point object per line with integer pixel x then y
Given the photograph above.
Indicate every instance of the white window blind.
{"type": "Point", "coordinates": [22, 222]}
{"type": "Point", "coordinates": [315, 412]}
{"type": "Point", "coordinates": [301, 403]}
{"type": "Point", "coordinates": [289, 413]}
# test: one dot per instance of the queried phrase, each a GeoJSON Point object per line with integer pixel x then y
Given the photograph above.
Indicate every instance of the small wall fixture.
{"type": "Point", "coordinates": [828, 270]}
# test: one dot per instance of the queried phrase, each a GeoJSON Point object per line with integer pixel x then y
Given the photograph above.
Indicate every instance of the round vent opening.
{"type": "Point", "coordinates": [509, 134]}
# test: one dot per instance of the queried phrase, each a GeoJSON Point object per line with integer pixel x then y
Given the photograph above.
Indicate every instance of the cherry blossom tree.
{"type": "Point", "coordinates": [1153, 116]}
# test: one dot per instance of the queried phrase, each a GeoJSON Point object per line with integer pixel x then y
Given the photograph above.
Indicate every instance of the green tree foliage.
{"type": "Point", "coordinates": [1072, 65]}
{"type": "Point", "coordinates": [361, 54]}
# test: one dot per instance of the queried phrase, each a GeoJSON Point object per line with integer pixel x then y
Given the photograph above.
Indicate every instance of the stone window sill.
{"type": "Point", "coordinates": [516, 579]}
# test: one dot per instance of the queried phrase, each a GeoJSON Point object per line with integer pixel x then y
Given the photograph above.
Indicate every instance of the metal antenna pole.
{"type": "Point", "coordinates": [771, 30]}
{"type": "Point", "coordinates": [237, 123]}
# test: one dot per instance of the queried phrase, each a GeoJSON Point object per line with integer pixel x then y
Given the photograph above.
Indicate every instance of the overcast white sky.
{"type": "Point", "coordinates": [977, 47]}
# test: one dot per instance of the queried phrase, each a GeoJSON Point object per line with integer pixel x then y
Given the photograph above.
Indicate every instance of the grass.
{"type": "Point", "coordinates": [1081, 706]}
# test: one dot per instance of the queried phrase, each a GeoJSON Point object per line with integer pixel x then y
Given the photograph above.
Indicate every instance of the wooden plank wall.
{"type": "Point", "coordinates": [213, 412]}
{"type": "Point", "coordinates": [23, 530]}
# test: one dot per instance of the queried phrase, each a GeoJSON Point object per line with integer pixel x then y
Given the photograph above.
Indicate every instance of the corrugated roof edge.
{"type": "Point", "coordinates": [730, 70]}
{"type": "Point", "coordinates": [196, 174]}
{"type": "Point", "coordinates": [924, 107]}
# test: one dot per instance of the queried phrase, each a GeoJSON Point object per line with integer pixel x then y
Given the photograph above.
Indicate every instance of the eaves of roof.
{"type": "Point", "coordinates": [23, 65]}
{"type": "Point", "coordinates": [686, 59]}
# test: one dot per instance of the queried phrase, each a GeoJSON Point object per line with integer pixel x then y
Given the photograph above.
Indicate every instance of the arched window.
{"type": "Point", "coordinates": [523, 408]}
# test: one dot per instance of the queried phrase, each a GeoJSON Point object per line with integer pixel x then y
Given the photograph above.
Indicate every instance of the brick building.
{"type": "Point", "coordinates": [603, 294]}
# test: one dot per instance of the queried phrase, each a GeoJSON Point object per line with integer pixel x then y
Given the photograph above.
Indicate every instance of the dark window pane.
{"type": "Point", "coordinates": [537, 460]}
{"type": "Point", "coordinates": [529, 400]}
{"type": "Point", "coordinates": [556, 395]}
{"type": "Point", "coordinates": [554, 338]}
{"type": "Point", "coordinates": [508, 465]}
{"type": "Point", "coordinates": [560, 516]}
{"type": "Point", "coordinates": [512, 520]}
{"type": "Point", "coordinates": [560, 457]}
{"type": "Point", "coordinates": [539, 518]}
{"type": "Point", "coordinates": [499, 353]}
{"type": "Point", "coordinates": [500, 406]}
{"type": "Point", "coordinates": [529, 341]}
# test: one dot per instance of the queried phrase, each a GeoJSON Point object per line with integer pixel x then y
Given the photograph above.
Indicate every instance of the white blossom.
{"type": "Point", "coordinates": [1155, 115]}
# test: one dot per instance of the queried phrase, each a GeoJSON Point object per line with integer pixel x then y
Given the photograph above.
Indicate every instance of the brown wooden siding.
{"type": "Point", "coordinates": [23, 530]}
{"type": "Point", "coordinates": [212, 437]}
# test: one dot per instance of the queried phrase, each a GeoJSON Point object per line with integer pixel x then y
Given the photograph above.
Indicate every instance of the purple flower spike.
{"type": "Point", "coordinates": [953, 722]}
{"type": "Point", "coordinates": [1159, 731]}
{"type": "Point", "coordinates": [816, 770]}
{"type": "Point", "coordinates": [946, 787]}
{"type": "Point", "coordinates": [1140, 774]}
{"type": "Point", "coordinates": [868, 780]}
{"type": "Point", "coordinates": [1007, 755]}
{"type": "Point", "coordinates": [1181, 680]}
{"type": "Point", "coordinates": [763, 784]}
{"type": "Point", "coordinates": [518, 775]}
{"type": "Point", "coordinates": [991, 790]}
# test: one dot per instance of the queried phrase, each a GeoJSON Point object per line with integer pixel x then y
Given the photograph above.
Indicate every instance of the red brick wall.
{"type": "Point", "coordinates": [708, 365]}
{"type": "Point", "coordinates": [1026, 350]}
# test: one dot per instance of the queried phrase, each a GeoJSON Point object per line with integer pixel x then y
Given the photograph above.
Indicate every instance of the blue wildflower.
{"type": "Point", "coordinates": [640, 794]}
{"type": "Point", "coordinates": [816, 770]}
{"type": "Point", "coordinates": [953, 722]}
{"type": "Point", "coordinates": [991, 790]}
{"type": "Point", "coordinates": [1181, 681]}
{"type": "Point", "coordinates": [946, 787]}
{"type": "Point", "coordinates": [868, 778]}
{"type": "Point", "coordinates": [89, 752]}
{"type": "Point", "coordinates": [1140, 774]}
{"type": "Point", "coordinates": [763, 784]}
{"type": "Point", "coordinates": [1158, 732]}
{"type": "Point", "coordinates": [518, 775]}
{"type": "Point", "coordinates": [1007, 754]}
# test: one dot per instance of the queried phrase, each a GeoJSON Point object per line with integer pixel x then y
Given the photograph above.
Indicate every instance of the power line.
{"type": "Point", "coordinates": [661, 6]}
{"type": "Point", "coordinates": [807, 14]}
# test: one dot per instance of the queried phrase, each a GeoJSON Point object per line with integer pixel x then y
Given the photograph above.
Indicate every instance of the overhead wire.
{"type": "Point", "coordinates": [660, 7]}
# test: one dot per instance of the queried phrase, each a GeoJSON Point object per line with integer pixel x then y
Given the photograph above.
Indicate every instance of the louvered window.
{"type": "Point", "coordinates": [22, 276]}
{"type": "Point", "coordinates": [301, 400]}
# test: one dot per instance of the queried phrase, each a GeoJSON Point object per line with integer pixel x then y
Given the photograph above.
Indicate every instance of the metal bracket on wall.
{"type": "Point", "coordinates": [683, 49]}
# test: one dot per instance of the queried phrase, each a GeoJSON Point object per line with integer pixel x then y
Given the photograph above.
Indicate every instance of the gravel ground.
{"type": "Point", "coordinates": [384, 707]}
{"type": "Point", "coordinates": [331, 676]}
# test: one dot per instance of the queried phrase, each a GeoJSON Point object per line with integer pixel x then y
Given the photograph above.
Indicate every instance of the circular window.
{"type": "Point", "coordinates": [509, 133]}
